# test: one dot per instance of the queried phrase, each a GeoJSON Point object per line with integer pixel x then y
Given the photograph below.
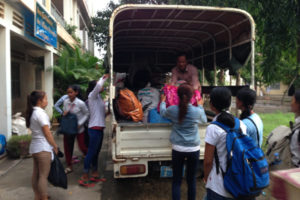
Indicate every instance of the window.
{"type": "Point", "coordinates": [44, 2]}
{"type": "Point", "coordinates": [38, 78]}
{"type": "Point", "coordinates": [15, 80]}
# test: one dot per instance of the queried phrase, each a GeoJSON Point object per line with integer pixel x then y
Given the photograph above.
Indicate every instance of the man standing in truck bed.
{"type": "Point", "coordinates": [186, 72]}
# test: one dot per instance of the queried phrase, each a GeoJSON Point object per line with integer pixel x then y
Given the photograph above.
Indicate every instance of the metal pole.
{"type": "Point", "coordinates": [252, 65]}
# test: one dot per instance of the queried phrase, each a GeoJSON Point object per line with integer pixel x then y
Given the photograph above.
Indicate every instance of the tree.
{"type": "Point", "coordinates": [75, 67]}
{"type": "Point", "coordinates": [100, 23]}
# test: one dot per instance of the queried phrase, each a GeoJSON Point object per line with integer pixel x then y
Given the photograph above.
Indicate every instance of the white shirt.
{"type": "Point", "coordinates": [97, 106]}
{"type": "Point", "coordinates": [39, 143]}
{"type": "Point", "coordinates": [78, 108]}
{"type": "Point", "coordinates": [216, 136]}
{"type": "Point", "coordinates": [295, 147]}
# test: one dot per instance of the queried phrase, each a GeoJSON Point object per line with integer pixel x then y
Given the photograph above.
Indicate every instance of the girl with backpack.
{"type": "Point", "coordinates": [184, 137]}
{"type": "Point", "coordinates": [42, 145]}
{"type": "Point", "coordinates": [245, 100]}
{"type": "Point", "coordinates": [215, 143]}
{"type": "Point", "coordinates": [295, 140]}
{"type": "Point", "coordinates": [75, 106]}
{"type": "Point", "coordinates": [95, 130]}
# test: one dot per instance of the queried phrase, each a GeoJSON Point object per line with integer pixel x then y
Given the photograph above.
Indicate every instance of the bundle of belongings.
{"type": "Point", "coordinates": [145, 105]}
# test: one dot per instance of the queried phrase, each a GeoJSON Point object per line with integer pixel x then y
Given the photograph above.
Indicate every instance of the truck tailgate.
{"type": "Point", "coordinates": [148, 141]}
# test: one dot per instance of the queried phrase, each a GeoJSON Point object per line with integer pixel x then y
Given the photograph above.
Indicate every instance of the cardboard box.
{"type": "Point", "coordinates": [285, 184]}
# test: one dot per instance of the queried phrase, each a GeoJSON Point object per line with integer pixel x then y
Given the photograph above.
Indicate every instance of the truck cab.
{"type": "Point", "coordinates": [149, 37]}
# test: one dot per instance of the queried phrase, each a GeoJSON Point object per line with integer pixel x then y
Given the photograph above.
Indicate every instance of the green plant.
{"type": "Point", "coordinates": [17, 144]}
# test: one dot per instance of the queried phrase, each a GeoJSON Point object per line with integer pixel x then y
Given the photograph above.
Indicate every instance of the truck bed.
{"type": "Point", "coordinates": [138, 140]}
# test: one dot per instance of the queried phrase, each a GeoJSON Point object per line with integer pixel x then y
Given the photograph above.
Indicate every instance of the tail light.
{"type": "Point", "coordinates": [132, 169]}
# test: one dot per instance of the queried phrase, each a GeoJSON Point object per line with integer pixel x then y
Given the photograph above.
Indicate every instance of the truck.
{"type": "Point", "coordinates": [213, 38]}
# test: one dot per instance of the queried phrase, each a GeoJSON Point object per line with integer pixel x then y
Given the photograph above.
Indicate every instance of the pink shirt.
{"type": "Point", "coordinates": [190, 75]}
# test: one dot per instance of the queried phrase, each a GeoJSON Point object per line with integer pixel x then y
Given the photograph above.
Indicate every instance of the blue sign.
{"type": "Point", "coordinates": [45, 26]}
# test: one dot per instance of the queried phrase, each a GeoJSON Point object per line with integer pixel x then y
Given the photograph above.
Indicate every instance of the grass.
{"type": "Point", "coordinates": [273, 120]}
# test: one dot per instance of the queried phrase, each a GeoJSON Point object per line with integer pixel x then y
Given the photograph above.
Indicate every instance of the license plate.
{"type": "Point", "coordinates": [167, 171]}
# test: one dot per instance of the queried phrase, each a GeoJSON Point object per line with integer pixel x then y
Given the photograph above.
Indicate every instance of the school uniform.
{"type": "Point", "coordinates": [216, 136]}
{"type": "Point", "coordinates": [78, 108]}
{"type": "Point", "coordinates": [96, 127]}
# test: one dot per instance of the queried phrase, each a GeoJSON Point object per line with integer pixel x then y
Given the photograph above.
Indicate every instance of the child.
{"type": "Point", "coordinates": [95, 131]}
{"type": "Point", "coordinates": [215, 142]}
{"type": "Point", "coordinates": [75, 106]}
{"type": "Point", "coordinates": [184, 137]}
{"type": "Point", "coordinates": [295, 140]}
{"type": "Point", "coordinates": [42, 143]}
{"type": "Point", "coordinates": [245, 100]}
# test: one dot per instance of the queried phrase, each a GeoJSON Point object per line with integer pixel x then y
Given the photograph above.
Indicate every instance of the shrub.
{"type": "Point", "coordinates": [18, 146]}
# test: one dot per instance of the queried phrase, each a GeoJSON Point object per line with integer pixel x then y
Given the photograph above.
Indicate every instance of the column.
{"type": "Point", "coordinates": [5, 86]}
{"type": "Point", "coordinates": [48, 80]}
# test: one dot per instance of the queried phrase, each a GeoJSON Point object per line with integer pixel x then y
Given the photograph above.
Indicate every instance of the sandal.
{"type": "Point", "coordinates": [97, 179]}
{"type": "Point", "coordinates": [74, 161]}
{"type": "Point", "coordinates": [68, 170]}
{"type": "Point", "coordinates": [74, 157]}
{"type": "Point", "coordinates": [87, 183]}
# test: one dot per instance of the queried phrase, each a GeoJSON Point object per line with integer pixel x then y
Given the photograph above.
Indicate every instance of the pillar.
{"type": "Point", "coordinates": [48, 80]}
{"type": "Point", "coordinates": [5, 86]}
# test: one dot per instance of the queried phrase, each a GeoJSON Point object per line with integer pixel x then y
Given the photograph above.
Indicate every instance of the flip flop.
{"type": "Point", "coordinates": [68, 170]}
{"type": "Point", "coordinates": [74, 161]}
{"type": "Point", "coordinates": [97, 179]}
{"type": "Point", "coordinates": [74, 157]}
{"type": "Point", "coordinates": [86, 183]}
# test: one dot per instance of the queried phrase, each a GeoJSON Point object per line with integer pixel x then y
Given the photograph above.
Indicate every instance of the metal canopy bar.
{"type": "Point", "coordinates": [158, 37]}
{"type": "Point", "coordinates": [153, 15]}
{"type": "Point", "coordinates": [152, 46]}
{"type": "Point", "coordinates": [127, 43]}
{"type": "Point", "coordinates": [180, 30]}
{"type": "Point", "coordinates": [223, 49]}
{"type": "Point", "coordinates": [196, 17]}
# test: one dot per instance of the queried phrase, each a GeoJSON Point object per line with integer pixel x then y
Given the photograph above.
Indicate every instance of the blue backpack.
{"type": "Point", "coordinates": [2, 144]}
{"type": "Point", "coordinates": [247, 170]}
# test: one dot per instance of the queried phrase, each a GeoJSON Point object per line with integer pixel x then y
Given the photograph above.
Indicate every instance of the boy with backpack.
{"type": "Point", "coordinates": [234, 167]}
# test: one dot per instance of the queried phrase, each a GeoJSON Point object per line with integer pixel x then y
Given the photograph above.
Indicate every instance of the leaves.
{"type": "Point", "coordinates": [75, 67]}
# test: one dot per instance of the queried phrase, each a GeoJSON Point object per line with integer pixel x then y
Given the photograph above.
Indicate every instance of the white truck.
{"type": "Point", "coordinates": [211, 36]}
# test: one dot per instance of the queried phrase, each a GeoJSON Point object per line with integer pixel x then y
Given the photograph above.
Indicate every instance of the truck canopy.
{"type": "Point", "coordinates": [210, 36]}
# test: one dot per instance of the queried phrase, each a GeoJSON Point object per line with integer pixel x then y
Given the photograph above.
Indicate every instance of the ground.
{"type": "Point", "coordinates": [16, 183]}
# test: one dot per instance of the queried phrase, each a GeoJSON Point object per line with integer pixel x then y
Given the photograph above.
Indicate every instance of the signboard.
{"type": "Point", "coordinates": [45, 26]}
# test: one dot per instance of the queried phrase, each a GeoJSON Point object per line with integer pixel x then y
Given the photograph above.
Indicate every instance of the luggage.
{"type": "Point", "coordinates": [247, 168]}
{"type": "Point", "coordinates": [149, 97]}
{"type": "Point", "coordinates": [155, 117]}
{"type": "Point", "coordinates": [57, 175]}
{"type": "Point", "coordinates": [2, 144]}
{"type": "Point", "coordinates": [172, 98]}
{"type": "Point", "coordinates": [278, 144]}
{"type": "Point", "coordinates": [129, 106]}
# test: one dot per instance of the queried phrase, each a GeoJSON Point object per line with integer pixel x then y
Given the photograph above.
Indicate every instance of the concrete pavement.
{"type": "Point", "coordinates": [15, 181]}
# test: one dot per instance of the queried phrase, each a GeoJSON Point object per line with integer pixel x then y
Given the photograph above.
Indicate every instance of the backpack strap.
{"type": "Point", "coordinates": [227, 129]}
{"type": "Point", "coordinates": [257, 133]}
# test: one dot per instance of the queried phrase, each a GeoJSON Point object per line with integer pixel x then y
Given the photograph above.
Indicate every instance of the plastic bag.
{"type": "Point", "coordinates": [155, 117]}
{"type": "Point", "coordinates": [19, 124]}
{"type": "Point", "coordinates": [2, 144]}
{"type": "Point", "coordinates": [57, 176]}
{"type": "Point", "coordinates": [149, 97]}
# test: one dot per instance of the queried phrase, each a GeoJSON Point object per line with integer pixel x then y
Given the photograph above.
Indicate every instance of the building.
{"type": "Point", "coordinates": [31, 32]}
